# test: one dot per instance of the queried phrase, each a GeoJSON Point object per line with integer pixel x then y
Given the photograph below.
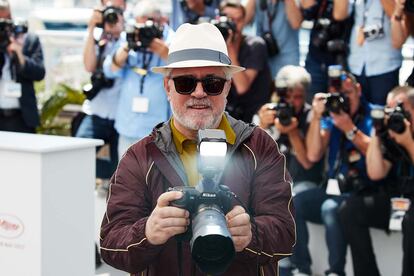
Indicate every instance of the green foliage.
{"type": "Point", "coordinates": [49, 122]}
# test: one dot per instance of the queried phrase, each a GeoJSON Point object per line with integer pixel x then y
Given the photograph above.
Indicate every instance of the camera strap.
{"type": "Point", "coordinates": [271, 12]}
{"type": "Point", "coordinates": [365, 14]}
{"type": "Point", "coordinates": [146, 60]}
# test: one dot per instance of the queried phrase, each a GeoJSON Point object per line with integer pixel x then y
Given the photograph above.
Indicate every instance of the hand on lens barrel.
{"type": "Point", "coordinates": [318, 104]}
{"type": "Point", "coordinates": [95, 19]}
{"type": "Point", "coordinates": [238, 223]}
{"type": "Point", "coordinates": [266, 116]}
{"type": "Point", "coordinates": [342, 121]}
{"type": "Point", "coordinates": [286, 129]}
{"type": "Point", "coordinates": [15, 46]}
{"type": "Point", "coordinates": [166, 221]}
{"type": "Point", "coordinates": [405, 139]}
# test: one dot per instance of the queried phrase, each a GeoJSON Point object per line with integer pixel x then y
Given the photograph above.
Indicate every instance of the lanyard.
{"type": "Point", "coordinates": [365, 14]}
{"type": "Point", "coordinates": [145, 65]}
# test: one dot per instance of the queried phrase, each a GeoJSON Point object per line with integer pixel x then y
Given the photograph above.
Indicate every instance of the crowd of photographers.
{"type": "Point", "coordinates": [342, 121]}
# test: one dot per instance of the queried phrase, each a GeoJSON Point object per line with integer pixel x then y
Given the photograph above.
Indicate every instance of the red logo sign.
{"type": "Point", "coordinates": [11, 227]}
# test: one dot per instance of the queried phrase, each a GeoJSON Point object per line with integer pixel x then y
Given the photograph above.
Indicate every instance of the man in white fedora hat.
{"type": "Point", "coordinates": [142, 220]}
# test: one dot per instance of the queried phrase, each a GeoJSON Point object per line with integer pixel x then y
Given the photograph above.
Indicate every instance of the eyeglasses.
{"type": "Point", "coordinates": [186, 85]}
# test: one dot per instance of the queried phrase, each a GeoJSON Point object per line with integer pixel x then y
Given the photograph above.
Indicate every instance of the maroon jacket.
{"type": "Point", "coordinates": [256, 173]}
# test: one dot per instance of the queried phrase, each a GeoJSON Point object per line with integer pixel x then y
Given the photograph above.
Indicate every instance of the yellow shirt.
{"type": "Point", "coordinates": [187, 149]}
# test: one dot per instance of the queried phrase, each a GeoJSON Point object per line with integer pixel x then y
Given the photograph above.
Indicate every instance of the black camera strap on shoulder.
{"type": "Point", "coordinates": [145, 66]}
{"type": "Point", "coordinates": [365, 14]}
{"type": "Point", "coordinates": [271, 12]}
{"type": "Point", "coordinates": [101, 48]}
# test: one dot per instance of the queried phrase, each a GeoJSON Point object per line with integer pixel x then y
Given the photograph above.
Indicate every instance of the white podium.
{"type": "Point", "coordinates": [47, 205]}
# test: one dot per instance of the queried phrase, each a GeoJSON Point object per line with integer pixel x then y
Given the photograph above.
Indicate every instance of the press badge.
{"type": "Point", "coordinates": [140, 105]}
{"type": "Point", "coordinates": [12, 89]}
{"type": "Point", "coordinates": [399, 206]}
{"type": "Point", "coordinates": [333, 187]}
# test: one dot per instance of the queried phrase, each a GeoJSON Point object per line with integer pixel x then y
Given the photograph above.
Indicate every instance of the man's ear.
{"type": "Point", "coordinates": [167, 87]}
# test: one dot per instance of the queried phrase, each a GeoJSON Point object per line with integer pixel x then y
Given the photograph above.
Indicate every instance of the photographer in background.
{"type": "Point", "coordinates": [287, 122]}
{"type": "Point", "coordinates": [340, 127]}
{"type": "Point", "coordinates": [328, 41]}
{"type": "Point", "coordinates": [278, 23]}
{"type": "Point", "coordinates": [390, 157]}
{"type": "Point", "coordinates": [21, 63]}
{"type": "Point", "coordinates": [190, 11]}
{"type": "Point", "coordinates": [251, 88]}
{"type": "Point", "coordinates": [102, 93]}
{"type": "Point", "coordinates": [372, 58]}
{"type": "Point", "coordinates": [142, 102]}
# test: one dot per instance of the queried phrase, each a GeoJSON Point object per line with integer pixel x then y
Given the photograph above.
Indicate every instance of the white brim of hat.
{"type": "Point", "coordinates": [232, 69]}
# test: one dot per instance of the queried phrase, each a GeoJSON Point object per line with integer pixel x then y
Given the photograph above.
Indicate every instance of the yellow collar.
{"type": "Point", "coordinates": [179, 138]}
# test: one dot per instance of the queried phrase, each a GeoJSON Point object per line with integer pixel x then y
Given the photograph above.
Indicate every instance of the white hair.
{"type": "Point", "coordinates": [146, 8]}
{"type": "Point", "coordinates": [294, 76]}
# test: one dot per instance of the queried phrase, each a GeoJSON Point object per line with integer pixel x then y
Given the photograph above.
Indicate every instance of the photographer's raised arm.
{"type": "Point", "coordinates": [120, 57]}
{"type": "Point", "coordinates": [317, 139]}
{"type": "Point", "coordinates": [159, 47]}
{"type": "Point", "coordinates": [294, 14]}
{"type": "Point", "coordinates": [388, 6]}
{"type": "Point", "coordinates": [242, 80]}
{"type": "Point", "coordinates": [399, 31]}
{"type": "Point", "coordinates": [377, 166]}
{"type": "Point", "coordinates": [89, 51]}
{"type": "Point", "coordinates": [299, 146]}
{"type": "Point", "coordinates": [340, 10]}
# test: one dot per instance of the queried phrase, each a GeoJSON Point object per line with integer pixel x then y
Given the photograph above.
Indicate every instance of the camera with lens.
{"type": "Point", "coordinates": [212, 247]}
{"type": "Point", "coordinates": [271, 44]}
{"type": "Point", "coordinates": [140, 35]}
{"type": "Point", "coordinates": [10, 28]}
{"type": "Point", "coordinates": [394, 121]}
{"type": "Point", "coordinates": [110, 15]}
{"type": "Point", "coordinates": [373, 32]}
{"type": "Point", "coordinates": [335, 103]}
{"type": "Point", "coordinates": [351, 181]}
{"type": "Point", "coordinates": [284, 110]}
{"type": "Point", "coordinates": [327, 34]}
{"type": "Point", "coordinates": [98, 82]}
{"type": "Point", "coordinates": [225, 25]}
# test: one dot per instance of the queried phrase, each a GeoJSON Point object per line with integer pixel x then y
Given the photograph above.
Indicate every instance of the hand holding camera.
{"type": "Point", "coordinates": [405, 138]}
{"type": "Point", "coordinates": [267, 114]}
{"type": "Point", "coordinates": [140, 36]}
{"type": "Point", "coordinates": [166, 221]}
{"type": "Point", "coordinates": [318, 104]}
{"type": "Point", "coordinates": [287, 129]}
{"type": "Point", "coordinates": [238, 223]}
{"type": "Point", "coordinates": [342, 121]}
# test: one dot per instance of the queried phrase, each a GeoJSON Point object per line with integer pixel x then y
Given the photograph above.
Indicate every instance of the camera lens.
{"type": "Point", "coordinates": [212, 247]}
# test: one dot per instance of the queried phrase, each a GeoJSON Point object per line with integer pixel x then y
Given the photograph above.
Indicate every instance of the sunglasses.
{"type": "Point", "coordinates": [212, 85]}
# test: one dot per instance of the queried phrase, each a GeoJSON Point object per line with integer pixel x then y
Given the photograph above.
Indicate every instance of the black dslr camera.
{"type": "Point", "coordinates": [98, 82]}
{"type": "Point", "coordinates": [224, 24]}
{"type": "Point", "coordinates": [140, 35]}
{"type": "Point", "coordinates": [328, 32]}
{"type": "Point", "coordinates": [284, 110]}
{"type": "Point", "coordinates": [351, 181]}
{"type": "Point", "coordinates": [10, 28]}
{"type": "Point", "coordinates": [336, 101]}
{"type": "Point", "coordinates": [394, 121]}
{"type": "Point", "coordinates": [110, 15]}
{"type": "Point", "coordinates": [211, 243]}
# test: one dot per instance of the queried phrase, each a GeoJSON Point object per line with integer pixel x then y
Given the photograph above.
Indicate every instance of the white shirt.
{"type": "Point", "coordinates": [7, 101]}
